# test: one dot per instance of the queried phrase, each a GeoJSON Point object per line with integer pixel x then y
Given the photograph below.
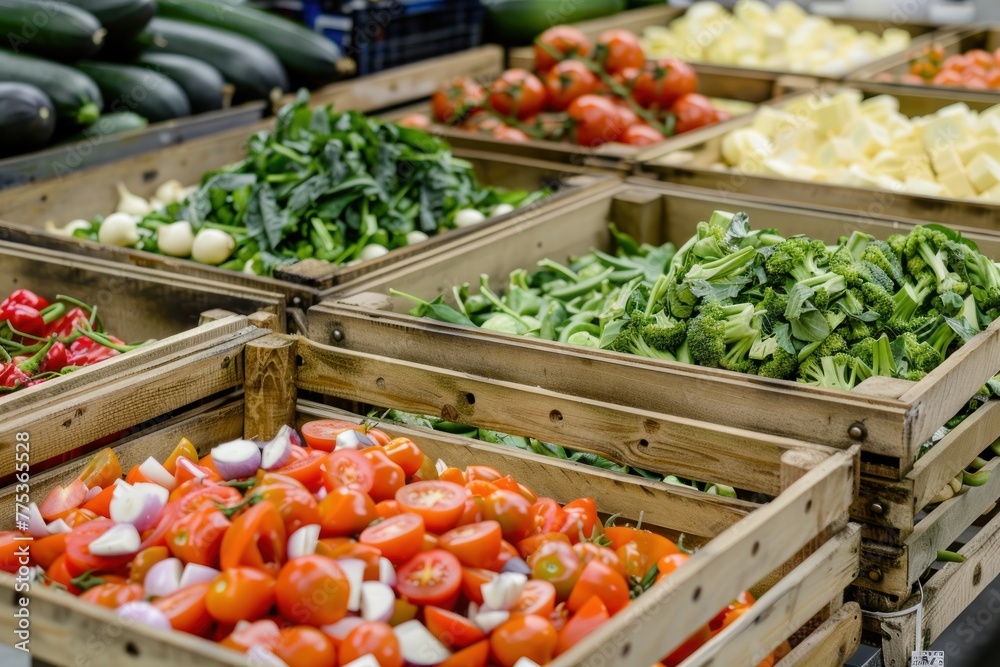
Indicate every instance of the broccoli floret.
{"type": "Point", "coordinates": [831, 345]}
{"type": "Point", "coordinates": [915, 376]}
{"type": "Point", "coordinates": [683, 353]}
{"type": "Point", "coordinates": [773, 303]}
{"type": "Point", "coordinates": [843, 264]}
{"type": "Point", "coordinates": [782, 365]}
{"type": "Point", "coordinates": [876, 275]}
{"type": "Point", "coordinates": [881, 254]}
{"type": "Point", "coordinates": [831, 283]}
{"type": "Point", "coordinates": [907, 300]}
{"type": "Point", "coordinates": [737, 357]}
{"type": "Point", "coordinates": [864, 350]}
{"type": "Point", "coordinates": [664, 333]}
{"type": "Point", "coordinates": [624, 341]}
{"type": "Point", "coordinates": [897, 244]}
{"type": "Point", "coordinates": [878, 300]}
{"type": "Point", "coordinates": [984, 274]}
{"type": "Point", "coordinates": [836, 372]}
{"type": "Point", "coordinates": [921, 356]}
{"type": "Point", "coordinates": [709, 243]}
{"type": "Point", "coordinates": [642, 349]}
{"type": "Point", "coordinates": [857, 330]}
{"type": "Point", "coordinates": [926, 251]}
{"type": "Point", "coordinates": [731, 265]}
{"type": "Point", "coordinates": [798, 257]}
{"type": "Point", "coordinates": [715, 327]}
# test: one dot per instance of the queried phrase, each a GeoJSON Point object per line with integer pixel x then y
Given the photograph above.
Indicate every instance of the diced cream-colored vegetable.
{"type": "Point", "coordinates": [956, 184]}
{"type": "Point", "coordinates": [984, 172]}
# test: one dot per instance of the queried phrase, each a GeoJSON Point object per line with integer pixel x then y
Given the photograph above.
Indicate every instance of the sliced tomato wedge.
{"type": "Point", "coordinates": [454, 630]}
{"type": "Point", "coordinates": [430, 578]}
{"type": "Point", "coordinates": [78, 556]}
{"type": "Point", "coordinates": [322, 433]}
{"type": "Point", "coordinates": [399, 538]}
{"type": "Point", "coordinates": [472, 656]}
{"type": "Point", "coordinates": [186, 609]}
{"type": "Point", "coordinates": [475, 544]}
{"type": "Point", "coordinates": [538, 598]}
{"type": "Point", "coordinates": [440, 503]}
{"type": "Point", "coordinates": [349, 468]}
{"type": "Point", "coordinates": [62, 500]}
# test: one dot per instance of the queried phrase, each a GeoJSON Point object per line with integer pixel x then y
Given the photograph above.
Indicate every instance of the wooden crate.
{"type": "Point", "coordinates": [889, 418]}
{"type": "Point", "coordinates": [982, 37]}
{"type": "Point", "coordinates": [693, 164]}
{"type": "Point", "coordinates": [799, 547]}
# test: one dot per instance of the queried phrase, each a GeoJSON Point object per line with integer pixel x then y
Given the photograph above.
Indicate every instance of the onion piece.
{"type": "Point", "coordinates": [163, 578]}
{"type": "Point", "coordinates": [119, 540]}
{"type": "Point", "coordinates": [488, 620]}
{"type": "Point", "coordinates": [440, 466]}
{"type": "Point", "coordinates": [364, 661]}
{"type": "Point", "coordinates": [354, 570]}
{"type": "Point", "coordinates": [378, 601]}
{"type": "Point", "coordinates": [418, 646]}
{"type": "Point", "coordinates": [503, 592]}
{"type": "Point", "coordinates": [154, 471]}
{"type": "Point", "coordinates": [261, 656]}
{"type": "Point", "coordinates": [195, 573]}
{"type": "Point", "coordinates": [145, 613]}
{"type": "Point", "coordinates": [36, 524]}
{"type": "Point", "coordinates": [238, 459]}
{"type": "Point", "coordinates": [58, 526]}
{"type": "Point", "coordinates": [525, 661]}
{"type": "Point", "coordinates": [352, 439]}
{"type": "Point", "coordinates": [386, 572]}
{"type": "Point", "coordinates": [303, 541]}
{"type": "Point", "coordinates": [191, 468]}
{"type": "Point", "coordinates": [342, 628]}
{"type": "Point", "coordinates": [139, 504]}
{"type": "Point", "coordinates": [516, 564]}
{"type": "Point", "coordinates": [92, 493]}
{"type": "Point", "coordinates": [276, 453]}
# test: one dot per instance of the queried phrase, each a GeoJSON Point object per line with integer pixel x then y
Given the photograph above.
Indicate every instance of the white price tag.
{"type": "Point", "coordinates": [927, 659]}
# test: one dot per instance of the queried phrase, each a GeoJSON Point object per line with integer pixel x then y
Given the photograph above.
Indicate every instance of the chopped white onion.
{"type": "Point", "coordinates": [58, 526]}
{"type": "Point", "coordinates": [364, 661]}
{"type": "Point", "coordinates": [276, 453]}
{"type": "Point", "coordinates": [525, 661]}
{"type": "Point", "coordinates": [440, 466]}
{"type": "Point", "coordinates": [120, 540]}
{"type": "Point", "coordinates": [378, 601]}
{"type": "Point", "coordinates": [352, 439]}
{"type": "Point", "coordinates": [418, 645]}
{"type": "Point", "coordinates": [386, 572]}
{"type": "Point", "coordinates": [145, 613]}
{"type": "Point", "coordinates": [503, 591]}
{"type": "Point", "coordinates": [139, 504]}
{"type": "Point", "coordinates": [92, 493]}
{"type": "Point", "coordinates": [354, 570]}
{"type": "Point", "coordinates": [154, 471]}
{"type": "Point", "coordinates": [303, 541]}
{"type": "Point", "coordinates": [491, 619]}
{"type": "Point", "coordinates": [197, 574]}
{"type": "Point", "coordinates": [261, 656]}
{"type": "Point", "coordinates": [238, 459]}
{"type": "Point", "coordinates": [191, 467]}
{"type": "Point", "coordinates": [341, 628]}
{"type": "Point", "coordinates": [163, 578]}
{"type": "Point", "coordinates": [36, 524]}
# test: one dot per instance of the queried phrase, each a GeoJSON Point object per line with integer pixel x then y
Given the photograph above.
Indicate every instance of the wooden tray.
{"type": "Point", "coordinates": [692, 165]}
{"type": "Point", "coordinates": [799, 547]}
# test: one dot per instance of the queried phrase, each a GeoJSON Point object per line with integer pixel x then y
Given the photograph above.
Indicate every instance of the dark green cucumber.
{"type": "Point", "coordinates": [202, 83]}
{"type": "Point", "coordinates": [27, 118]}
{"type": "Point", "coordinates": [304, 53]}
{"type": "Point", "coordinates": [255, 72]}
{"type": "Point", "coordinates": [76, 97]}
{"type": "Point", "coordinates": [130, 88]}
{"type": "Point", "coordinates": [123, 19]}
{"type": "Point", "coordinates": [108, 124]}
{"type": "Point", "coordinates": [51, 29]}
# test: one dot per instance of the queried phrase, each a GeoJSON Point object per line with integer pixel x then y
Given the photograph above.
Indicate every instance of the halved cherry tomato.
{"type": "Point", "coordinates": [376, 435]}
{"type": "Point", "coordinates": [440, 503]}
{"type": "Point", "coordinates": [374, 639]}
{"type": "Point", "coordinates": [600, 580]}
{"type": "Point", "coordinates": [472, 510]}
{"type": "Point", "coordinates": [11, 543]}
{"type": "Point", "coordinates": [475, 545]}
{"type": "Point", "coordinates": [113, 595]}
{"type": "Point", "coordinates": [346, 511]}
{"type": "Point", "coordinates": [101, 503]}
{"type": "Point", "coordinates": [348, 468]}
{"type": "Point", "coordinates": [588, 551]}
{"type": "Point", "coordinates": [557, 563]}
{"type": "Point", "coordinates": [588, 618]}
{"type": "Point", "coordinates": [312, 590]}
{"type": "Point", "coordinates": [581, 519]}
{"type": "Point", "coordinates": [453, 630]}
{"type": "Point", "coordinates": [78, 516]}
{"type": "Point", "coordinates": [507, 552]}
{"type": "Point", "coordinates": [531, 544]}
{"type": "Point", "coordinates": [430, 578]}
{"type": "Point", "coordinates": [197, 537]}
{"type": "Point", "coordinates": [59, 573]}
{"type": "Point", "coordinates": [303, 646]}
{"type": "Point", "coordinates": [102, 470]}
{"type": "Point", "coordinates": [62, 500]}
{"type": "Point", "coordinates": [472, 582]}
{"type": "Point", "coordinates": [480, 487]}
{"type": "Point", "coordinates": [512, 511]}
{"type": "Point", "coordinates": [186, 609]}
{"type": "Point", "coordinates": [322, 433]}
{"type": "Point", "coordinates": [348, 548]}
{"type": "Point", "coordinates": [144, 560]}
{"type": "Point", "coordinates": [78, 556]}
{"type": "Point", "coordinates": [538, 597]}
{"type": "Point", "coordinates": [388, 477]}
{"type": "Point", "coordinates": [240, 594]}
{"type": "Point", "coordinates": [256, 538]}
{"type": "Point", "coordinates": [44, 551]}
{"type": "Point", "coordinates": [454, 475]}
{"type": "Point", "coordinates": [259, 633]}
{"type": "Point", "coordinates": [399, 538]}
{"type": "Point", "coordinates": [297, 506]}
{"type": "Point", "coordinates": [184, 448]}
{"type": "Point", "coordinates": [649, 547]}
{"type": "Point", "coordinates": [472, 656]}
{"type": "Point", "coordinates": [530, 636]}
{"type": "Point", "coordinates": [483, 473]}
{"type": "Point", "coordinates": [308, 470]}
{"type": "Point", "coordinates": [388, 508]}
{"type": "Point", "coordinates": [406, 454]}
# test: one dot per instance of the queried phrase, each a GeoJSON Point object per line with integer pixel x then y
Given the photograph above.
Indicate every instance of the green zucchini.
{"type": "Point", "coordinates": [123, 19]}
{"type": "Point", "coordinates": [255, 72]}
{"type": "Point", "coordinates": [515, 22]}
{"type": "Point", "coordinates": [202, 83]}
{"type": "Point", "coordinates": [76, 97]}
{"type": "Point", "coordinates": [52, 29]}
{"type": "Point", "coordinates": [27, 118]}
{"type": "Point", "coordinates": [137, 89]}
{"type": "Point", "coordinates": [304, 53]}
{"type": "Point", "coordinates": [108, 124]}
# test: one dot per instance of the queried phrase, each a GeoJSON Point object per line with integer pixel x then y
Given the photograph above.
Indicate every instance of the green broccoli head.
{"type": "Point", "coordinates": [832, 372]}
{"type": "Point", "coordinates": [710, 242]}
{"type": "Point", "coordinates": [706, 336]}
{"type": "Point", "coordinates": [920, 356]}
{"type": "Point", "coordinates": [864, 350]}
{"type": "Point", "coordinates": [663, 332]}
{"type": "Point", "coordinates": [856, 330]}
{"type": "Point", "coordinates": [799, 258]}
{"type": "Point", "coordinates": [782, 365]}
{"type": "Point", "coordinates": [881, 254]}
{"type": "Point", "coordinates": [878, 300]}
{"type": "Point", "coordinates": [831, 345]}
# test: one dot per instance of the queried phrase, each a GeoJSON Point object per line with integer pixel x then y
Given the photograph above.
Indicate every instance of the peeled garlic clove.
{"type": "Point", "coordinates": [130, 203]}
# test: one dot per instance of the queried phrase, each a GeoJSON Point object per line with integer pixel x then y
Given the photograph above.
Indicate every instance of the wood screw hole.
{"type": "Point", "coordinates": [132, 649]}
{"type": "Point", "coordinates": [380, 383]}
{"type": "Point", "coordinates": [756, 549]}
{"type": "Point", "coordinates": [470, 398]}
{"type": "Point", "coordinates": [644, 443]}
{"type": "Point", "coordinates": [626, 650]}
{"type": "Point", "coordinates": [226, 362]}
{"type": "Point", "coordinates": [878, 508]}
{"type": "Point", "coordinates": [555, 416]}
{"type": "Point", "coordinates": [809, 505]}
{"type": "Point", "coordinates": [875, 574]}
{"type": "Point", "coordinates": [696, 595]}
{"type": "Point", "coordinates": [299, 361]}
{"type": "Point", "coordinates": [977, 574]}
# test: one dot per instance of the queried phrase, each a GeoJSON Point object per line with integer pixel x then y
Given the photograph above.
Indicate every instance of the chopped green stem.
{"type": "Point", "coordinates": [975, 479]}
{"type": "Point", "coordinates": [946, 556]}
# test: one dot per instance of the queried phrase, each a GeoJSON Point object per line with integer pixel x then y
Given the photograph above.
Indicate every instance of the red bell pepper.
{"type": "Point", "coordinates": [27, 298]}
{"type": "Point", "coordinates": [56, 359]}
{"type": "Point", "coordinates": [67, 324]}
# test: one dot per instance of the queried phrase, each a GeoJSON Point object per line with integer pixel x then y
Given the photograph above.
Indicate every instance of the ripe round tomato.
{"type": "Point", "coordinates": [257, 539]}
{"type": "Point", "coordinates": [58, 573]}
{"type": "Point", "coordinates": [312, 590]}
{"type": "Point", "coordinates": [303, 646]}
{"type": "Point", "coordinates": [388, 508]}
{"type": "Point", "coordinates": [388, 477]}
{"type": "Point", "coordinates": [63, 500]}
{"type": "Point", "coordinates": [44, 550]}
{"type": "Point", "coordinates": [641, 134]}
{"type": "Point", "coordinates": [399, 538]}
{"type": "Point", "coordinates": [530, 636]}
{"type": "Point", "coordinates": [645, 551]}
{"type": "Point", "coordinates": [307, 470]}
{"type": "Point", "coordinates": [596, 120]}
{"type": "Point", "coordinates": [693, 111]}
{"type": "Point", "coordinates": [103, 469]}
{"type": "Point", "coordinates": [346, 511]}
{"type": "Point", "coordinates": [557, 43]}
{"type": "Point", "coordinates": [113, 595]}
{"type": "Point", "coordinates": [240, 594]}
{"type": "Point", "coordinates": [374, 639]}
{"type": "Point", "coordinates": [518, 93]}
{"type": "Point", "coordinates": [457, 99]}
{"type": "Point", "coordinates": [567, 81]}
{"type": "Point", "coordinates": [620, 50]}
{"type": "Point", "coordinates": [348, 468]}
{"type": "Point", "coordinates": [475, 544]}
{"type": "Point", "coordinates": [508, 133]}
{"type": "Point", "coordinates": [78, 556]}
{"type": "Point", "coordinates": [195, 495]}
{"type": "Point", "coordinates": [297, 506]}
{"type": "Point", "coordinates": [556, 563]}
{"type": "Point", "coordinates": [405, 453]}
{"type": "Point", "coordinates": [430, 578]}
{"type": "Point", "coordinates": [144, 560]}
{"type": "Point", "coordinates": [197, 537]}
{"type": "Point", "coordinates": [186, 609]}
{"type": "Point", "coordinates": [600, 580]}
{"type": "Point", "coordinates": [663, 82]}
{"type": "Point", "coordinates": [417, 121]}
{"type": "Point", "coordinates": [538, 597]}
{"type": "Point", "coordinates": [671, 562]}
{"type": "Point", "coordinates": [588, 618]}
{"type": "Point", "coordinates": [581, 518]}
{"type": "Point", "coordinates": [588, 551]}
{"type": "Point", "coordinates": [512, 511]}
{"type": "Point", "coordinates": [692, 644]}
{"type": "Point", "coordinates": [453, 630]}
{"type": "Point", "coordinates": [475, 473]}
{"type": "Point", "coordinates": [626, 116]}
{"type": "Point", "coordinates": [472, 656]}
{"type": "Point", "coordinates": [322, 433]}
{"type": "Point", "coordinates": [440, 503]}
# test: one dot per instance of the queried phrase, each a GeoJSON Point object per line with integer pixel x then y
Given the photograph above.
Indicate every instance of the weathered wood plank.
{"type": "Point", "coordinates": [832, 644]}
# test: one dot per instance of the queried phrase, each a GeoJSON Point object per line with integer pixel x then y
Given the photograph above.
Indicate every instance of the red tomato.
{"type": "Point", "coordinates": [430, 578]}
{"type": "Point", "coordinates": [388, 477]}
{"type": "Point", "coordinates": [101, 503]}
{"type": "Point", "coordinates": [348, 468]}
{"type": "Point", "coordinates": [388, 508]}
{"type": "Point", "coordinates": [186, 609]}
{"type": "Point", "coordinates": [201, 495]}
{"type": "Point", "coordinates": [78, 516]}
{"type": "Point", "coordinates": [144, 560]}
{"type": "Point", "coordinates": [567, 81]}
{"type": "Point", "coordinates": [475, 544]}
{"type": "Point", "coordinates": [453, 630]}
{"type": "Point", "coordinates": [256, 538]}
{"type": "Point", "coordinates": [417, 121]}
{"type": "Point", "coordinates": [528, 636]}
{"type": "Point", "coordinates": [671, 562]}
{"type": "Point", "coordinates": [303, 646]}
{"type": "Point", "coordinates": [44, 550]}
{"type": "Point", "coordinates": [457, 99]}
{"type": "Point", "coordinates": [351, 549]}
{"type": "Point", "coordinates": [398, 538]}
{"type": "Point", "coordinates": [308, 470]}
{"type": "Point", "coordinates": [157, 537]}
{"type": "Point", "coordinates": [374, 639]}
{"type": "Point", "coordinates": [322, 433]}
{"type": "Point", "coordinates": [186, 472]}
{"type": "Point", "coordinates": [518, 93]}
{"type": "Point", "coordinates": [259, 633]}
{"type": "Point", "coordinates": [240, 594]}
{"type": "Point", "coordinates": [596, 120]}
{"type": "Point", "coordinates": [440, 503]}
{"type": "Point", "coordinates": [538, 597]}
{"type": "Point", "coordinates": [405, 453]}
{"type": "Point", "coordinates": [948, 77]}
{"type": "Point", "coordinates": [641, 134]}
{"type": "Point", "coordinates": [58, 573]}
{"type": "Point", "coordinates": [661, 83]}
{"type": "Point", "coordinates": [473, 656]}
{"type": "Point", "coordinates": [626, 116]}
{"type": "Point", "coordinates": [312, 590]}
{"type": "Point", "coordinates": [581, 519]}
{"type": "Point", "coordinates": [600, 580]}
{"type": "Point", "coordinates": [588, 551]}
{"type": "Point", "coordinates": [197, 537]}
{"type": "Point", "coordinates": [63, 500]}
{"type": "Point", "coordinates": [512, 511]}
{"type": "Point", "coordinates": [649, 548]}
{"type": "Point", "coordinates": [476, 473]}
{"type": "Point", "coordinates": [530, 545]}
{"type": "Point", "coordinates": [297, 506]}
{"type": "Point", "coordinates": [508, 133]}
{"type": "Point", "coordinates": [692, 111]}
{"type": "Point", "coordinates": [588, 618]}
{"type": "Point", "coordinates": [346, 511]}
{"type": "Point", "coordinates": [481, 488]}
{"type": "Point", "coordinates": [472, 583]}
{"type": "Point", "coordinates": [685, 650]}
{"type": "Point", "coordinates": [547, 516]}
{"type": "Point", "coordinates": [78, 556]}
{"type": "Point", "coordinates": [184, 448]}
{"type": "Point", "coordinates": [557, 43]}
{"type": "Point", "coordinates": [556, 563]}
{"type": "Point", "coordinates": [113, 595]}
{"type": "Point", "coordinates": [453, 475]}
{"type": "Point", "coordinates": [620, 50]}
{"type": "Point", "coordinates": [102, 470]}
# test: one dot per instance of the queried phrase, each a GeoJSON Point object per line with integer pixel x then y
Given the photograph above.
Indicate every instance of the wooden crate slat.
{"type": "Point", "coordinates": [831, 644]}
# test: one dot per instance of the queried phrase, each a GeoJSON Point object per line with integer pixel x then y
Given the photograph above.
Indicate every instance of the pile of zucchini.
{"type": "Point", "coordinates": [84, 69]}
